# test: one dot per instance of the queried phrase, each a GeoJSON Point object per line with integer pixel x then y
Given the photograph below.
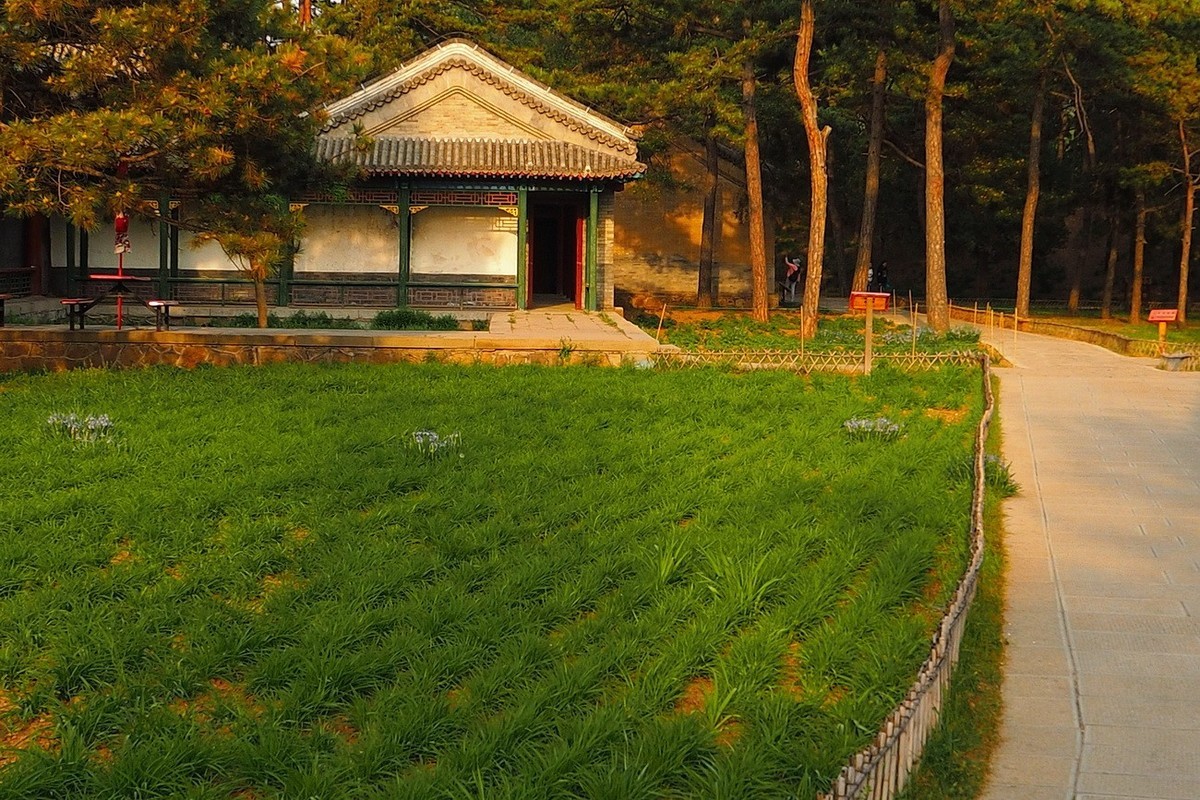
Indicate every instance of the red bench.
{"type": "Point", "coordinates": [162, 313]}
{"type": "Point", "coordinates": [76, 307]}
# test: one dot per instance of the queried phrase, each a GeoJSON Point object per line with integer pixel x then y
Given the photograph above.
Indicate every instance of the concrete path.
{"type": "Point", "coordinates": [1102, 684]}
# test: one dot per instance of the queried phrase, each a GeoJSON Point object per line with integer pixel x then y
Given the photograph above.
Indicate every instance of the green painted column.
{"type": "Point", "coordinates": [71, 252]}
{"type": "Point", "coordinates": [174, 267]}
{"type": "Point", "coordinates": [591, 301]}
{"type": "Point", "coordinates": [522, 256]}
{"type": "Point", "coordinates": [164, 246]}
{"type": "Point", "coordinates": [83, 253]}
{"type": "Point", "coordinates": [404, 234]}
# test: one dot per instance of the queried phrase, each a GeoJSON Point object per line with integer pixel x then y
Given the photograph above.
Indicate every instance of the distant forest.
{"type": "Point", "coordinates": [1027, 149]}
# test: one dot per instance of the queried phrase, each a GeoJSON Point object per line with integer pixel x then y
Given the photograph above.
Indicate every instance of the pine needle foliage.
{"type": "Point", "coordinates": [631, 584]}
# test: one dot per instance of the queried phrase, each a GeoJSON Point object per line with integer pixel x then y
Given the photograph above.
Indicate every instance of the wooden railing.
{"type": "Point", "coordinates": [16, 281]}
{"type": "Point", "coordinates": [805, 362]}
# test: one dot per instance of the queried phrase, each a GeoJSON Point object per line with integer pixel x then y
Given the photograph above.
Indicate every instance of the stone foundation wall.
{"type": "Point", "coordinates": [23, 350]}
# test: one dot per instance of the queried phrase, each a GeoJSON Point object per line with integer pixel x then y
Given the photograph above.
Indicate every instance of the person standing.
{"type": "Point", "coordinates": [881, 278]}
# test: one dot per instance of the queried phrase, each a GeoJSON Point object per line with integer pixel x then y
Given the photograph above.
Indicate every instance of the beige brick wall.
{"type": "Point", "coordinates": [657, 241]}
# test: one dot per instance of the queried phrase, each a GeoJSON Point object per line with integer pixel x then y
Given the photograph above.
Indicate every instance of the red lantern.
{"type": "Point", "coordinates": [121, 223]}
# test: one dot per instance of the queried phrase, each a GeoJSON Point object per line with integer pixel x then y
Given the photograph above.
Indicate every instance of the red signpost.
{"type": "Point", "coordinates": [869, 302]}
{"type": "Point", "coordinates": [1162, 316]}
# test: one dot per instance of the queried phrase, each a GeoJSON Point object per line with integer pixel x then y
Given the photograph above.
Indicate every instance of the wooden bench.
{"type": "Point", "coordinates": [162, 313]}
{"type": "Point", "coordinates": [76, 308]}
{"type": "Point", "coordinates": [4, 297]}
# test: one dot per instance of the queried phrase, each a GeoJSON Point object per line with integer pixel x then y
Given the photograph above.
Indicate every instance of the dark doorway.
{"type": "Point", "coordinates": [555, 252]}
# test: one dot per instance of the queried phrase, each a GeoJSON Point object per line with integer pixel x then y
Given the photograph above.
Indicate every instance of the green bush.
{"type": "Point", "coordinates": [407, 319]}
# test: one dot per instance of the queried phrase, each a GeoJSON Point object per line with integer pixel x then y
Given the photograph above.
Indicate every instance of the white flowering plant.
{"type": "Point", "coordinates": [432, 445]}
{"type": "Point", "coordinates": [872, 428]}
{"type": "Point", "coordinates": [90, 428]}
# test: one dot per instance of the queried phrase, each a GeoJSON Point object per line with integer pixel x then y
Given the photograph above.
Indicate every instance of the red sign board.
{"type": "Point", "coordinates": [1163, 315]}
{"type": "Point", "coordinates": [878, 300]}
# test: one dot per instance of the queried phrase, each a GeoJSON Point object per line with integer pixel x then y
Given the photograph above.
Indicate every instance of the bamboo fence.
{"type": "Point", "coordinates": [797, 361]}
{"type": "Point", "coordinates": [881, 770]}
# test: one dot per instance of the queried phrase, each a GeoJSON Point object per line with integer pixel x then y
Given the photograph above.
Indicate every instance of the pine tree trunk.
{"type": "Point", "coordinates": [1032, 193]}
{"type": "Point", "coordinates": [260, 293]}
{"type": "Point", "coordinates": [1082, 258]}
{"type": "Point", "coordinates": [1189, 213]}
{"type": "Point", "coordinates": [1139, 259]}
{"type": "Point", "coordinates": [708, 227]}
{"type": "Point", "coordinates": [937, 302]}
{"type": "Point", "coordinates": [1110, 264]}
{"type": "Point", "coordinates": [866, 233]}
{"type": "Point", "coordinates": [759, 309]}
{"type": "Point", "coordinates": [818, 140]}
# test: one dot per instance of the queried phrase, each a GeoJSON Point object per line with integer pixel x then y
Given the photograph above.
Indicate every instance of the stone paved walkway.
{"type": "Point", "coordinates": [1102, 683]}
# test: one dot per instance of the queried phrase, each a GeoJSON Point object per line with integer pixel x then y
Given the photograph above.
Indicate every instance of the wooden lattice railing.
{"type": "Point", "coordinates": [797, 361]}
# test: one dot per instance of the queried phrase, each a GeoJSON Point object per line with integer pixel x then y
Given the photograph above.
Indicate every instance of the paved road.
{"type": "Point", "coordinates": [1102, 684]}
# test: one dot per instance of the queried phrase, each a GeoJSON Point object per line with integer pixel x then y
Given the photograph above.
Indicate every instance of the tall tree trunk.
{"type": "Point", "coordinates": [1189, 213]}
{"type": "Point", "coordinates": [1110, 264]}
{"type": "Point", "coordinates": [866, 233]}
{"type": "Point", "coordinates": [837, 232]}
{"type": "Point", "coordinates": [1033, 190]}
{"type": "Point", "coordinates": [937, 303]}
{"type": "Point", "coordinates": [708, 227]}
{"type": "Point", "coordinates": [259, 273]}
{"type": "Point", "coordinates": [1139, 259]}
{"type": "Point", "coordinates": [1082, 258]}
{"type": "Point", "coordinates": [818, 140]}
{"type": "Point", "coordinates": [758, 238]}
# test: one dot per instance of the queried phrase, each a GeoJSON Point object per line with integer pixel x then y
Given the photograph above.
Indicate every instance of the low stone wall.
{"type": "Point", "coordinates": [55, 348]}
{"type": "Point", "coordinates": [1122, 345]}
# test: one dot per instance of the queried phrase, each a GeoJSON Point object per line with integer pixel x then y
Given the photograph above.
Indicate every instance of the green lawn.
{"type": "Point", "coordinates": [840, 333]}
{"type": "Point", "coordinates": [1119, 326]}
{"type": "Point", "coordinates": [613, 584]}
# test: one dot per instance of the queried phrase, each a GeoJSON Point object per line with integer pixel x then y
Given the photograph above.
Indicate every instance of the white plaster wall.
{"type": "Point", "coordinates": [349, 239]}
{"type": "Point", "coordinates": [208, 256]}
{"type": "Point", "coordinates": [58, 242]}
{"type": "Point", "coordinates": [456, 240]}
{"type": "Point", "coordinates": [143, 241]}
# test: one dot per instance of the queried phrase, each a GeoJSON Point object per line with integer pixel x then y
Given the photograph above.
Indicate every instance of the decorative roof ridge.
{"type": "Point", "coordinates": [462, 54]}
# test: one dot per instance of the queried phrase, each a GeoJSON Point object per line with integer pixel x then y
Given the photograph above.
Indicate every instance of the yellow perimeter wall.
{"type": "Point", "coordinates": [656, 253]}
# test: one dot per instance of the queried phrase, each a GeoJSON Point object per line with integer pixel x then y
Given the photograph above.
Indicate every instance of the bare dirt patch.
{"type": "Point", "coordinates": [950, 416]}
{"type": "Point", "coordinates": [341, 727]}
{"type": "Point", "coordinates": [123, 555]}
{"type": "Point", "coordinates": [695, 695]}
{"type": "Point", "coordinates": [695, 700]}
{"type": "Point", "coordinates": [17, 735]}
{"type": "Point", "coordinates": [203, 707]}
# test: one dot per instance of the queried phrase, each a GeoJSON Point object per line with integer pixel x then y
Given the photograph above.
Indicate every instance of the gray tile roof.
{"type": "Point", "coordinates": [479, 158]}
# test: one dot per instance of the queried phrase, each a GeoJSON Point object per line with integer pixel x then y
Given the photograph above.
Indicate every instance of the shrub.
{"type": "Point", "coordinates": [407, 319]}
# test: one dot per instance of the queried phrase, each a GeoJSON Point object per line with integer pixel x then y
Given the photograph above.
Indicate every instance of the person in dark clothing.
{"type": "Point", "coordinates": [881, 278]}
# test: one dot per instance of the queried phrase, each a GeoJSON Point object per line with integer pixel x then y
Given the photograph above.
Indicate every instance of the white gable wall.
{"type": "Point", "coordinates": [458, 104]}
